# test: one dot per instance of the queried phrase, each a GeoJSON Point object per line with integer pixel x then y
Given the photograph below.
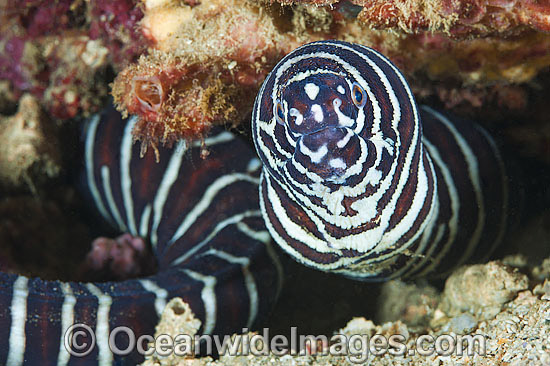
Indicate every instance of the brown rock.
{"type": "Point", "coordinates": [482, 289]}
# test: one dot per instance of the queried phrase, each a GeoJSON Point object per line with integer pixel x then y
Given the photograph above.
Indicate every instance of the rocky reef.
{"type": "Point", "coordinates": [475, 56]}
{"type": "Point", "coordinates": [202, 62]}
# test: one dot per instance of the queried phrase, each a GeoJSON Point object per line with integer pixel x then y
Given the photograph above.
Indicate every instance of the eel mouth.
{"type": "Point", "coordinates": [328, 152]}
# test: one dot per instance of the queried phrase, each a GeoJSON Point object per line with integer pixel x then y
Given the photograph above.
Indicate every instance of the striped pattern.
{"type": "Point", "coordinates": [357, 180]}
{"type": "Point", "coordinates": [203, 220]}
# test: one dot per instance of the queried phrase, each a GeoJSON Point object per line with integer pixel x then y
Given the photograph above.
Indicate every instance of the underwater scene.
{"type": "Point", "coordinates": [274, 182]}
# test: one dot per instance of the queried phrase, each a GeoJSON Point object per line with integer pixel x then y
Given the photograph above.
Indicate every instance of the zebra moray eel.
{"type": "Point", "coordinates": [203, 220]}
{"type": "Point", "coordinates": [359, 181]}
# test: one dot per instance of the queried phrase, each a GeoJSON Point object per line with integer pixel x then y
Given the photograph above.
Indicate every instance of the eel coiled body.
{"type": "Point", "coordinates": [360, 181]}
{"type": "Point", "coordinates": [202, 219]}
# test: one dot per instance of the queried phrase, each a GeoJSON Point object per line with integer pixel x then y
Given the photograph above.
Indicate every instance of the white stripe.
{"type": "Point", "coordinates": [170, 175]}
{"type": "Point", "coordinates": [424, 230]}
{"type": "Point", "coordinates": [220, 138]}
{"type": "Point", "coordinates": [18, 309]}
{"type": "Point", "coordinates": [253, 165]}
{"type": "Point", "coordinates": [407, 221]}
{"type": "Point", "coordinates": [455, 208]}
{"type": "Point", "coordinates": [208, 296]}
{"type": "Point", "coordinates": [264, 237]}
{"type": "Point", "coordinates": [315, 156]}
{"type": "Point", "coordinates": [106, 178]}
{"type": "Point", "coordinates": [105, 357]}
{"type": "Point", "coordinates": [232, 220]}
{"type": "Point", "coordinates": [213, 189]}
{"type": "Point", "coordinates": [426, 241]}
{"type": "Point", "coordinates": [67, 319]}
{"type": "Point", "coordinates": [125, 178]}
{"type": "Point", "coordinates": [250, 284]}
{"type": "Point", "coordinates": [473, 172]}
{"type": "Point", "coordinates": [160, 294]}
{"type": "Point", "coordinates": [89, 161]}
{"type": "Point", "coordinates": [144, 223]}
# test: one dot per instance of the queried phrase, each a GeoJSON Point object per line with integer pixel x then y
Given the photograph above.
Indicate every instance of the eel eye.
{"type": "Point", "coordinates": [358, 95]}
{"type": "Point", "coordinates": [279, 112]}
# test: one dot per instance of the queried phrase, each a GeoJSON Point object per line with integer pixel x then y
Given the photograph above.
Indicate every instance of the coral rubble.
{"type": "Point", "coordinates": [176, 319]}
{"type": "Point", "coordinates": [511, 317]}
{"type": "Point", "coordinates": [29, 148]}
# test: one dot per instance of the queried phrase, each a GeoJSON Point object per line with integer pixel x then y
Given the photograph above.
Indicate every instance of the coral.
{"type": "Point", "coordinates": [115, 23]}
{"type": "Point", "coordinates": [206, 69]}
{"type": "Point", "coordinates": [118, 259]}
{"type": "Point", "coordinates": [20, 63]}
{"type": "Point", "coordinates": [208, 60]}
{"type": "Point", "coordinates": [29, 148]}
{"type": "Point", "coordinates": [313, 2]}
{"type": "Point", "coordinates": [479, 61]}
{"type": "Point", "coordinates": [457, 18]}
{"type": "Point", "coordinates": [61, 51]}
{"type": "Point", "coordinates": [208, 63]}
{"type": "Point", "coordinates": [44, 17]}
{"type": "Point", "coordinates": [62, 72]}
{"type": "Point", "coordinates": [176, 319]}
{"type": "Point", "coordinates": [75, 64]}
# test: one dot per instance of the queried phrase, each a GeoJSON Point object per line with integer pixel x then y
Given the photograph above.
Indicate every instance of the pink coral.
{"type": "Point", "coordinates": [125, 257]}
{"type": "Point", "coordinates": [43, 17]}
{"type": "Point", "coordinates": [59, 51]}
{"type": "Point", "coordinates": [18, 64]}
{"type": "Point", "coordinates": [116, 24]}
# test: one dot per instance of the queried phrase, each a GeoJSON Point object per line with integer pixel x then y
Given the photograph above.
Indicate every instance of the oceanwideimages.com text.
{"type": "Point", "coordinates": [80, 340]}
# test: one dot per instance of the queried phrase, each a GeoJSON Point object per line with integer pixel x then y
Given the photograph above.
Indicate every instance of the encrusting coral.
{"type": "Point", "coordinates": [206, 67]}
{"type": "Point", "coordinates": [208, 59]}
{"type": "Point", "coordinates": [202, 62]}
{"type": "Point", "coordinates": [62, 51]}
{"type": "Point", "coordinates": [456, 18]}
